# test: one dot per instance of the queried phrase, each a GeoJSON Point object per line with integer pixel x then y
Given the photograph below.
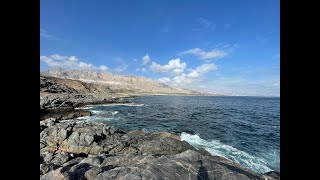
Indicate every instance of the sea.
{"type": "Point", "coordinates": [245, 130]}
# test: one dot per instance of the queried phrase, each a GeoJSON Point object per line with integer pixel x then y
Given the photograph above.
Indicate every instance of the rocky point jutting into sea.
{"type": "Point", "coordinates": [72, 148]}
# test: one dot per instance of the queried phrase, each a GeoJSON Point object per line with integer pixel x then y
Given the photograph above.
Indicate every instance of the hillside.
{"type": "Point", "coordinates": [133, 85]}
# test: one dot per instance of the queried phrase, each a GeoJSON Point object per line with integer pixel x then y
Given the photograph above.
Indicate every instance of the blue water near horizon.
{"type": "Point", "coordinates": [243, 129]}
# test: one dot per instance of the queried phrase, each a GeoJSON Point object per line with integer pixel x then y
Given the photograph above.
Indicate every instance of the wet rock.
{"type": "Point", "coordinates": [64, 114]}
{"type": "Point", "coordinates": [274, 174]}
{"type": "Point", "coordinates": [204, 152]}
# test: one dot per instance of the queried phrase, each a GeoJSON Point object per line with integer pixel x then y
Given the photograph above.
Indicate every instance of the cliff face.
{"type": "Point", "coordinates": [65, 93]}
{"type": "Point", "coordinates": [58, 85]}
{"type": "Point", "coordinates": [118, 83]}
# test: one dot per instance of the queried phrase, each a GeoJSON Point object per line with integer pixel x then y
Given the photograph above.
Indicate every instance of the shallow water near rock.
{"type": "Point", "coordinates": [243, 129]}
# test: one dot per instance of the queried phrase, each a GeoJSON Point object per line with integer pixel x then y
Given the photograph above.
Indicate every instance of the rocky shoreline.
{"type": "Point", "coordinates": [71, 111]}
{"type": "Point", "coordinates": [77, 149]}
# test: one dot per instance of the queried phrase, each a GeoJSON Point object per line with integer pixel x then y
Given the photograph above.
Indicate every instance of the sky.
{"type": "Point", "coordinates": [227, 47]}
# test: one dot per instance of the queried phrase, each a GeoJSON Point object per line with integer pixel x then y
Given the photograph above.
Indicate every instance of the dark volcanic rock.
{"type": "Point", "coordinates": [92, 150]}
{"type": "Point", "coordinates": [95, 138]}
{"type": "Point", "coordinates": [189, 164]}
{"type": "Point", "coordinates": [63, 115]}
{"type": "Point", "coordinates": [274, 174]}
{"type": "Point", "coordinates": [204, 152]}
{"type": "Point", "coordinates": [58, 93]}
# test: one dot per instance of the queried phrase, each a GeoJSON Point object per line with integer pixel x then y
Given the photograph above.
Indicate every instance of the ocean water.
{"type": "Point", "coordinates": [243, 129]}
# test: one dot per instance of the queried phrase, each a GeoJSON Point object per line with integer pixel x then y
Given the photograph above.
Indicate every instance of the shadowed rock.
{"type": "Point", "coordinates": [202, 172]}
{"type": "Point", "coordinates": [186, 165]}
{"type": "Point", "coordinates": [63, 115]}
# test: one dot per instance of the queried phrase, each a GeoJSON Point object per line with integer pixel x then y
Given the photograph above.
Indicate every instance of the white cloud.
{"type": "Point", "coordinates": [141, 69]}
{"type": "Point", "coordinates": [83, 65]}
{"type": "Point", "coordinates": [44, 33]}
{"type": "Point", "coordinates": [177, 69]}
{"type": "Point", "coordinates": [206, 23]}
{"type": "Point", "coordinates": [226, 45]}
{"type": "Point", "coordinates": [204, 68]}
{"type": "Point", "coordinates": [103, 68]}
{"type": "Point", "coordinates": [145, 59]}
{"type": "Point", "coordinates": [121, 68]}
{"type": "Point", "coordinates": [72, 62]}
{"type": "Point", "coordinates": [73, 59]}
{"type": "Point", "coordinates": [243, 86]}
{"type": "Point", "coordinates": [194, 74]}
{"type": "Point", "coordinates": [205, 55]}
{"type": "Point", "coordinates": [183, 79]}
{"type": "Point", "coordinates": [164, 80]}
{"type": "Point", "coordinates": [122, 65]}
{"type": "Point", "coordinates": [174, 66]}
{"type": "Point", "coordinates": [180, 79]}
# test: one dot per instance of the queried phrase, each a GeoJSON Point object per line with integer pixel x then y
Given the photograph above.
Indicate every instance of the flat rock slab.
{"type": "Point", "coordinates": [186, 165]}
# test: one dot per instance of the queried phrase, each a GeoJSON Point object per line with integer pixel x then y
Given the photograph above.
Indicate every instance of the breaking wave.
{"type": "Point", "coordinates": [217, 148]}
{"type": "Point", "coordinates": [122, 104]}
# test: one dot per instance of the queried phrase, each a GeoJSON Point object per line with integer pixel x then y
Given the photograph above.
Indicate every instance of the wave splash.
{"type": "Point", "coordinates": [105, 113]}
{"type": "Point", "coordinates": [102, 116]}
{"type": "Point", "coordinates": [215, 147]}
{"type": "Point", "coordinates": [85, 107]}
{"type": "Point", "coordinates": [113, 104]}
{"type": "Point", "coordinates": [122, 104]}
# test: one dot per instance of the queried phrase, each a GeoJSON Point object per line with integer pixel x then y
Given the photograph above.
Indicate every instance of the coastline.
{"type": "Point", "coordinates": [75, 148]}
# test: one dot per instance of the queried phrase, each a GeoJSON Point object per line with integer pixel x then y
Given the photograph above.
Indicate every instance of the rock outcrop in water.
{"type": "Point", "coordinates": [59, 97]}
{"type": "Point", "coordinates": [57, 93]}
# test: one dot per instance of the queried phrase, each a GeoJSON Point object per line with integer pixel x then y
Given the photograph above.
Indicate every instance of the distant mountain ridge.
{"type": "Point", "coordinates": [135, 84]}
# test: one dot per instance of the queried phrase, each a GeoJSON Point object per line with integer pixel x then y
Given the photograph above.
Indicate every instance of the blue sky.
{"type": "Point", "coordinates": [226, 46]}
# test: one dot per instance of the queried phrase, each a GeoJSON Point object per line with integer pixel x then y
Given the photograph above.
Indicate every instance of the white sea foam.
{"type": "Point", "coordinates": [101, 112]}
{"type": "Point", "coordinates": [113, 104]}
{"type": "Point", "coordinates": [122, 104]}
{"type": "Point", "coordinates": [85, 107]}
{"type": "Point", "coordinates": [97, 118]}
{"type": "Point", "coordinates": [217, 148]}
{"type": "Point", "coordinates": [114, 112]}
{"type": "Point", "coordinates": [95, 112]}
{"type": "Point", "coordinates": [84, 117]}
